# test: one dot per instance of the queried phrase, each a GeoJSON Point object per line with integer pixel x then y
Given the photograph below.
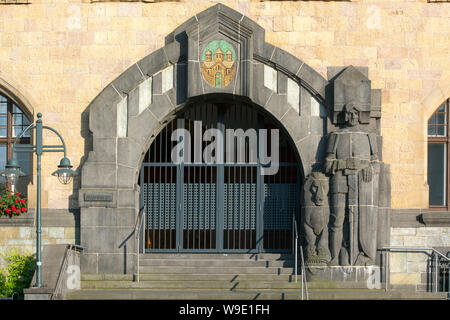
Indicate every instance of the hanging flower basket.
{"type": "Point", "coordinates": [12, 204]}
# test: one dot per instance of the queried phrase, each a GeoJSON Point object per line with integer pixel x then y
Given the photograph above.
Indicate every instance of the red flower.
{"type": "Point", "coordinates": [22, 200]}
{"type": "Point", "coordinates": [13, 208]}
{"type": "Point", "coordinates": [17, 200]}
{"type": "Point", "coordinates": [10, 191]}
{"type": "Point", "coordinates": [24, 209]}
{"type": "Point", "coordinates": [17, 194]}
{"type": "Point", "coordinates": [7, 210]}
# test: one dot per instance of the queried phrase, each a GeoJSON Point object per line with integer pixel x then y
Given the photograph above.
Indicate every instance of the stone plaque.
{"type": "Point", "coordinates": [105, 197]}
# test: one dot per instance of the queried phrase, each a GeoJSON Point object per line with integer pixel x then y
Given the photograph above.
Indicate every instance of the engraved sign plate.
{"type": "Point", "coordinates": [105, 197]}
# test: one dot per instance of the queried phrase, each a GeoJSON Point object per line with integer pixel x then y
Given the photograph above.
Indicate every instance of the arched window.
{"type": "Point", "coordinates": [12, 122]}
{"type": "Point", "coordinates": [438, 157]}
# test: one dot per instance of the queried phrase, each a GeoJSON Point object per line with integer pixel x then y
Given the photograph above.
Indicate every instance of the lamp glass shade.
{"type": "Point", "coordinates": [64, 172]}
{"type": "Point", "coordinates": [12, 172]}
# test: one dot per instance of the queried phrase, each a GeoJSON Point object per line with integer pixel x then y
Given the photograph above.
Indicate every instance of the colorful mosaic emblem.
{"type": "Point", "coordinates": [218, 63]}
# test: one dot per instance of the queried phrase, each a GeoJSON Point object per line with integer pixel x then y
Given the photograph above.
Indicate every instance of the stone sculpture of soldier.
{"type": "Point", "coordinates": [352, 163]}
{"type": "Point", "coordinates": [315, 218]}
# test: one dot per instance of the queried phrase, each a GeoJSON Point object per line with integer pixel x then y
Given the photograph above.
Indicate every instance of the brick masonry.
{"type": "Point", "coordinates": [410, 269]}
{"type": "Point", "coordinates": [58, 227]}
{"type": "Point", "coordinates": [48, 46]}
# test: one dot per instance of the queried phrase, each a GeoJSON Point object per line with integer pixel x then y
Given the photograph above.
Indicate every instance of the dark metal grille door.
{"type": "Point", "coordinates": [219, 207]}
{"type": "Point", "coordinates": [240, 192]}
{"type": "Point", "coordinates": [199, 219]}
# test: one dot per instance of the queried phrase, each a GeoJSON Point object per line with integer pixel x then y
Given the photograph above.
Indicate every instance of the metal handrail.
{"type": "Point", "coordinates": [137, 232]}
{"type": "Point", "coordinates": [294, 226]}
{"type": "Point", "coordinates": [413, 249]}
{"type": "Point", "coordinates": [10, 298]}
{"type": "Point", "coordinates": [303, 279]}
{"type": "Point", "coordinates": [58, 287]}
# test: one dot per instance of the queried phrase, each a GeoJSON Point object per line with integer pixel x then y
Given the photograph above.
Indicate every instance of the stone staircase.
{"type": "Point", "coordinates": [222, 277]}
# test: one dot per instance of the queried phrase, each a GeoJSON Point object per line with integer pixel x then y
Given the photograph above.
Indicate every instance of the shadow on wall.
{"type": "Point", "coordinates": [88, 146]}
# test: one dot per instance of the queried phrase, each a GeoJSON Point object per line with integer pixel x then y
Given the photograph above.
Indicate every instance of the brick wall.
{"type": "Point", "coordinates": [63, 53]}
{"type": "Point", "coordinates": [410, 269]}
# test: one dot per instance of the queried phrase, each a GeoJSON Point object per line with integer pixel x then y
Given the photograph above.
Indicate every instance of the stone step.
{"type": "Point", "coordinates": [190, 284]}
{"type": "Point", "coordinates": [124, 294]}
{"type": "Point", "coordinates": [214, 256]}
{"type": "Point", "coordinates": [216, 270]}
{"type": "Point", "coordinates": [216, 263]}
{"type": "Point", "coordinates": [226, 277]}
{"type": "Point", "coordinates": [145, 294]}
{"type": "Point", "coordinates": [190, 277]}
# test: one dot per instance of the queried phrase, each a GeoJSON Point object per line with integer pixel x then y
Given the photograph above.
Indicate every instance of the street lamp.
{"type": "Point", "coordinates": [12, 173]}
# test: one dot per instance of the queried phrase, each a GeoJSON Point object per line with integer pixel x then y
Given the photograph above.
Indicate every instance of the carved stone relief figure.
{"type": "Point", "coordinates": [352, 162]}
{"type": "Point", "coordinates": [315, 219]}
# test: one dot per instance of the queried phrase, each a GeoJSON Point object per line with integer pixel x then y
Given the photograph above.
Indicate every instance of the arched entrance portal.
{"type": "Point", "coordinates": [219, 206]}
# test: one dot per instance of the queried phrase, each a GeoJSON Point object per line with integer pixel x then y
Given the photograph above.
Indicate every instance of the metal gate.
{"type": "Point", "coordinates": [222, 206]}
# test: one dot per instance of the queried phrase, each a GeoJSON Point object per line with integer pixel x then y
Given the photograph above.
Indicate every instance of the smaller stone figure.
{"type": "Point", "coordinates": [315, 219]}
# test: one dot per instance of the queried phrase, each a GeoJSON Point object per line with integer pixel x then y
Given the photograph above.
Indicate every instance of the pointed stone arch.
{"type": "Point", "coordinates": [132, 109]}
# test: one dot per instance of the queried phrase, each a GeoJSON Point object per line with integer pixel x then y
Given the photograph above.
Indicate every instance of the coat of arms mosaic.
{"type": "Point", "coordinates": [218, 63]}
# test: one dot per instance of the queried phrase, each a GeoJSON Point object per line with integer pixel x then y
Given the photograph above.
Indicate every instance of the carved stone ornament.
{"type": "Point", "coordinates": [315, 220]}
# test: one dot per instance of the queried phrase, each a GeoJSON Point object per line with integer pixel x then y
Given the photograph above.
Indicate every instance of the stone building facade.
{"type": "Point", "coordinates": [84, 65]}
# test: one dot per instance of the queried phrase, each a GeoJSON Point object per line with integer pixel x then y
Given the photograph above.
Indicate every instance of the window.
{"type": "Point", "coordinates": [12, 122]}
{"type": "Point", "coordinates": [438, 155]}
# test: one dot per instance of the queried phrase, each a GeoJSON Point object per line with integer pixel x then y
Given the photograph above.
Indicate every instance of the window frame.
{"type": "Point", "coordinates": [8, 141]}
{"type": "Point", "coordinates": [446, 141]}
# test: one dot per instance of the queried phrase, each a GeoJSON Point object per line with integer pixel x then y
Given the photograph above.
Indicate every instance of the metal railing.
{"type": "Point", "coordinates": [59, 291]}
{"type": "Point", "coordinates": [137, 233]}
{"type": "Point", "coordinates": [15, 294]}
{"type": "Point", "coordinates": [436, 257]}
{"type": "Point", "coordinates": [304, 285]}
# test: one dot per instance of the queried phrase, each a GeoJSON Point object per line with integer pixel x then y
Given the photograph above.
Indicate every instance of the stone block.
{"type": "Point", "coordinates": [313, 79]}
{"type": "Point", "coordinates": [176, 52]}
{"type": "Point", "coordinates": [56, 232]}
{"type": "Point", "coordinates": [153, 62]}
{"type": "Point", "coordinates": [265, 50]}
{"type": "Point", "coordinates": [126, 217]}
{"type": "Point", "coordinates": [277, 106]}
{"type": "Point", "coordinates": [99, 239]}
{"type": "Point", "coordinates": [157, 84]}
{"type": "Point", "coordinates": [129, 152]}
{"type": "Point", "coordinates": [126, 176]}
{"type": "Point", "coordinates": [318, 126]}
{"type": "Point", "coordinates": [133, 102]}
{"type": "Point", "coordinates": [128, 80]}
{"type": "Point", "coordinates": [305, 102]}
{"type": "Point", "coordinates": [270, 78]}
{"type": "Point", "coordinates": [195, 84]}
{"type": "Point", "coordinates": [404, 278]}
{"type": "Point", "coordinates": [103, 112]}
{"type": "Point", "coordinates": [403, 231]}
{"type": "Point", "coordinates": [181, 83]}
{"type": "Point", "coordinates": [116, 263]}
{"type": "Point", "coordinates": [136, 124]}
{"type": "Point", "coordinates": [101, 217]}
{"type": "Point", "coordinates": [286, 61]}
{"type": "Point", "coordinates": [127, 198]}
{"type": "Point", "coordinates": [161, 107]}
{"type": "Point", "coordinates": [298, 127]}
{"type": "Point", "coordinates": [98, 175]}
{"type": "Point", "coordinates": [89, 263]}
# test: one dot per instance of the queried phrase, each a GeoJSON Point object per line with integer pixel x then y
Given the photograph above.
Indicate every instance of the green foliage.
{"type": "Point", "coordinates": [18, 273]}
{"type": "Point", "coordinates": [12, 204]}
